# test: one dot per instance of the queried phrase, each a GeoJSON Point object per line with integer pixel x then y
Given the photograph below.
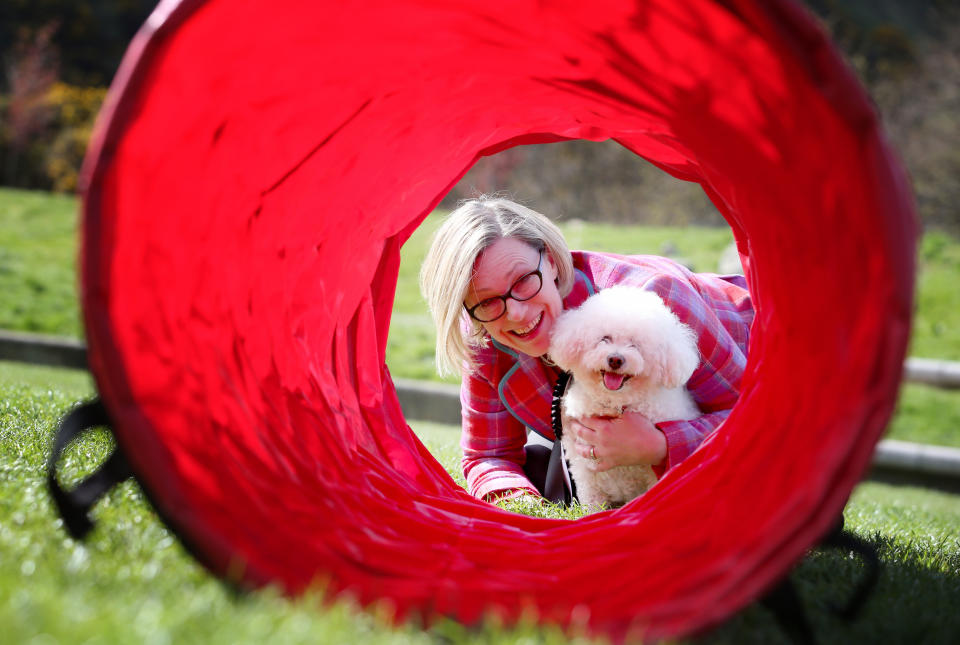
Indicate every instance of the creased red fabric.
{"type": "Point", "coordinates": [258, 167]}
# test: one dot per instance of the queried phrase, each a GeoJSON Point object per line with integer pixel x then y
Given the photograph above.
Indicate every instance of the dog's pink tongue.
{"type": "Point", "coordinates": [612, 380]}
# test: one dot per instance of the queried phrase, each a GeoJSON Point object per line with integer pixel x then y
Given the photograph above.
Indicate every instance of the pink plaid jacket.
{"type": "Point", "coordinates": [510, 393]}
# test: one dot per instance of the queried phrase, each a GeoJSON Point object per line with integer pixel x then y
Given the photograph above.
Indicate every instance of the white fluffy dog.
{"type": "Point", "coordinates": [625, 351]}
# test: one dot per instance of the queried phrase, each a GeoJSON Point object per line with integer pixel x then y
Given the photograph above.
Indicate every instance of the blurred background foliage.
{"type": "Point", "coordinates": [58, 56]}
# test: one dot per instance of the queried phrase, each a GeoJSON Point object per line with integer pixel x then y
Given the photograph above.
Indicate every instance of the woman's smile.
{"type": "Point", "coordinates": [529, 328]}
{"type": "Point", "coordinates": [532, 338]}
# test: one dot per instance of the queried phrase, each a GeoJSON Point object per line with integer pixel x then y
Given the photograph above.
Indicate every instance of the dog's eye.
{"type": "Point", "coordinates": [606, 339]}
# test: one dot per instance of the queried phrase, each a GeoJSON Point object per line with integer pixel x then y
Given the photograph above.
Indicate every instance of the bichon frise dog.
{"type": "Point", "coordinates": [625, 350]}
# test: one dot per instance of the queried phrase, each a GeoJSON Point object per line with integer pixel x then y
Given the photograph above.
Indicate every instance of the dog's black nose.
{"type": "Point", "coordinates": [614, 361]}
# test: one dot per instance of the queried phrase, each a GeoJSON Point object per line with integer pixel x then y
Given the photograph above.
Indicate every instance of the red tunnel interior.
{"type": "Point", "coordinates": [257, 169]}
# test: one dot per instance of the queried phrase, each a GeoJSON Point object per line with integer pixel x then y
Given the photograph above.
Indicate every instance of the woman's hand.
{"type": "Point", "coordinates": [627, 440]}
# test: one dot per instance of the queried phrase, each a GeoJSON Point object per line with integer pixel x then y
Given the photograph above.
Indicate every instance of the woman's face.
{"type": "Point", "coordinates": [526, 326]}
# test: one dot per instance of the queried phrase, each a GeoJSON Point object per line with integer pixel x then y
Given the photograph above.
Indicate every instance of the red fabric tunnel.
{"type": "Point", "coordinates": [258, 167]}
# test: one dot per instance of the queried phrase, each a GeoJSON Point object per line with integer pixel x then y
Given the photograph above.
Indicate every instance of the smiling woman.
{"type": "Point", "coordinates": [481, 261]}
{"type": "Point", "coordinates": [259, 166]}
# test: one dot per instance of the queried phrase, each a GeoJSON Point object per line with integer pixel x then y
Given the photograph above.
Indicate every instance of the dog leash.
{"type": "Point", "coordinates": [558, 391]}
{"type": "Point", "coordinates": [555, 488]}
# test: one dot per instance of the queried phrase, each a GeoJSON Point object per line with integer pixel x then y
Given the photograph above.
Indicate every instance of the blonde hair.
{"type": "Point", "coordinates": [449, 267]}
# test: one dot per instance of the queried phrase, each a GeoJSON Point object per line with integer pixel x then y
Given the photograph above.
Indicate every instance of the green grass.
{"type": "Point", "coordinates": [38, 249]}
{"type": "Point", "coordinates": [38, 254]}
{"type": "Point", "coordinates": [936, 324]}
{"type": "Point", "coordinates": [917, 536]}
{"type": "Point", "coordinates": [132, 582]}
{"type": "Point", "coordinates": [926, 414]}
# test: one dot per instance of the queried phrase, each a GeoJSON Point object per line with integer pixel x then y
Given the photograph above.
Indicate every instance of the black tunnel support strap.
{"type": "Point", "coordinates": [74, 505]}
{"type": "Point", "coordinates": [847, 541]}
{"type": "Point", "coordinates": [785, 603]}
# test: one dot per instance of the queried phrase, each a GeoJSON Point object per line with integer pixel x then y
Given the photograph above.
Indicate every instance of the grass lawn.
{"type": "Point", "coordinates": [38, 254]}
{"type": "Point", "coordinates": [38, 250]}
{"type": "Point", "coordinates": [132, 582]}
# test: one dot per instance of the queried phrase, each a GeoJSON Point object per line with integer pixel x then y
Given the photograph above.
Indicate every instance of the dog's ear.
{"type": "Point", "coordinates": [568, 339]}
{"type": "Point", "coordinates": [675, 355]}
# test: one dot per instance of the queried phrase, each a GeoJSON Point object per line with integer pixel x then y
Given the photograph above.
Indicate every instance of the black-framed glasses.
{"type": "Point", "coordinates": [527, 286]}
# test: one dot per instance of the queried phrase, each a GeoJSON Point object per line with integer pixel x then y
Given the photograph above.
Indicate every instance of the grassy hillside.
{"type": "Point", "coordinates": [37, 283]}
{"type": "Point", "coordinates": [38, 249]}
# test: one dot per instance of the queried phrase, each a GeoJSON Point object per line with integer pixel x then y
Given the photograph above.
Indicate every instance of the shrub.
{"type": "Point", "coordinates": [921, 113]}
{"type": "Point", "coordinates": [74, 109]}
{"type": "Point", "coordinates": [50, 158]}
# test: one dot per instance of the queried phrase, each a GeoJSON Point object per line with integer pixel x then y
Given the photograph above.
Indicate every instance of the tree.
{"type": "Point", "coordinates": [92, 37]}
